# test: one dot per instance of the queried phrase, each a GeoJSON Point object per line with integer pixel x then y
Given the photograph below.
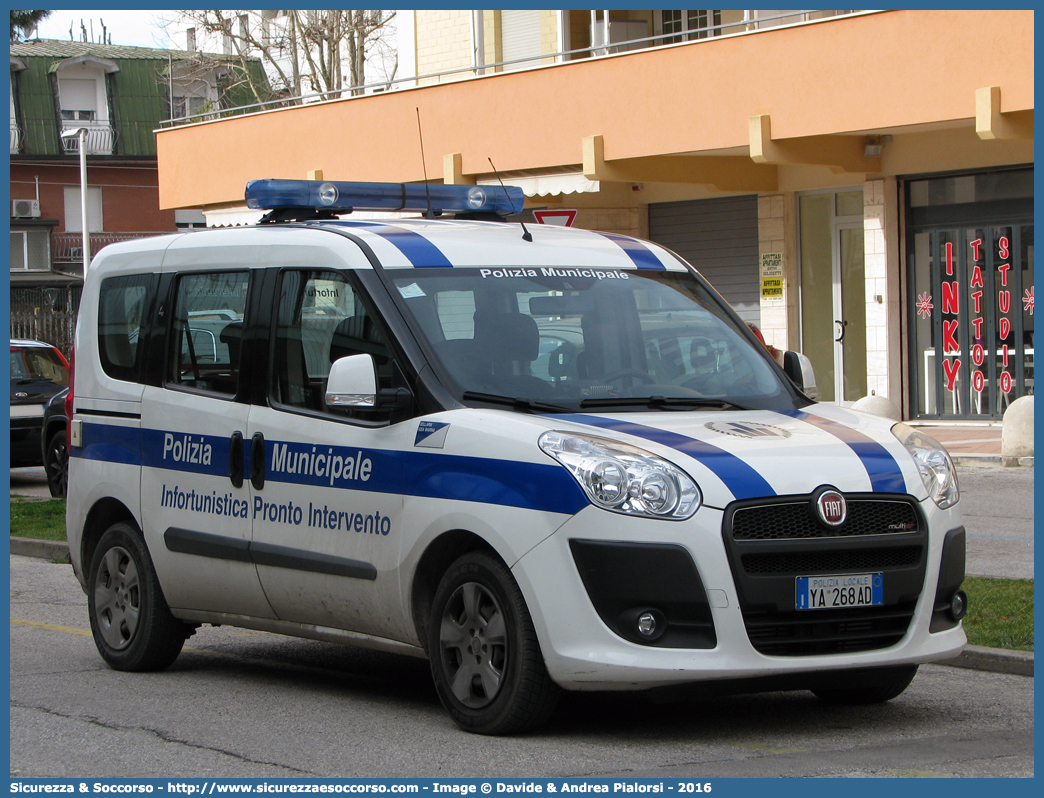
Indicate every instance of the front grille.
{"type": "Point", "coordinates": [796, 520]}
{"type": "Point", "coordinates": [827, 631]}
{"type": "Point", "coordinates": [813, 562]}
{"type": "Point", "coordinates": [772, 542]}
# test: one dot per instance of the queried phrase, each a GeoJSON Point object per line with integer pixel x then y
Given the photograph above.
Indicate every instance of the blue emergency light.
{"type": "Point", "coordinates": [345, 196]}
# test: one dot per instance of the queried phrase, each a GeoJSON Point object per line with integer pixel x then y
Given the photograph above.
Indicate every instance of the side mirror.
{"type": "Point", "coordinates": [352, 382]}
{"type": "Point", "coordinates": [799, 369]}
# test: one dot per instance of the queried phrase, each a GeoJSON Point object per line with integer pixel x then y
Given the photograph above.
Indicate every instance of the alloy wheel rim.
{"type": "Point", "coordinates": [117, 598]}
{"type": "Point", "coordinates": [473, 645]}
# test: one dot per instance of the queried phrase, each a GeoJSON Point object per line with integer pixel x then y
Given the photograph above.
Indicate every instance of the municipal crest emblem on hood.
{"type": "Point", "coordinates": [747, 429]}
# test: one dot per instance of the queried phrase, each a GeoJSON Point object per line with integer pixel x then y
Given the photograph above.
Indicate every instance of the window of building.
{"type": "Point", "coordinates": [78, 96]}
{"type": "Point", "coordinates": [83, 102]}
{"type": "Point", "coordinates": [188, 106]}
{"type": "Point", "coordinates": [970, 256]}
{"type": "Point", "coordinates": [698, 24]}
{"type": "Point", "coordinates": [520, 37]}
{"type": "Point", "coordinates": [73, 215]}
{"type": "Point", "coordinates": [30, 250]}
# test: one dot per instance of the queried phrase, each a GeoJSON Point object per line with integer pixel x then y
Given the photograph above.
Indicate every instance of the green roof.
{"type": "Point", "coordinates": [137, 90]}
{"type": "Point", "coordinates": [53, 48]}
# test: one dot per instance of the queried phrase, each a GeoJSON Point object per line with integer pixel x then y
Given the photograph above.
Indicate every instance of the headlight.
{"type": "Point", "coordinates": [623, 478]}
{"type": "Point", "coordinates": [933, 463]}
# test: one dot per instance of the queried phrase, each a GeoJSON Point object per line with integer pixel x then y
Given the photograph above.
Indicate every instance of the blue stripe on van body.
{"type": "Point", "coordinates": [419, 251]}
{"type": "Point", "coordinates": [530, 486]}
{"type": "Point", "coordinates": [640, 254]}
{"type": "Point", "coordinates": [739, 477]}
{"type": "Point", "coordinates": [884, 472]}
{"type": "Point", "coordinates": [110, 444]}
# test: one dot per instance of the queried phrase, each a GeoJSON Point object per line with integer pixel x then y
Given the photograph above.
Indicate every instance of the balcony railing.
{"type": "Point", "coordinates": [68, 247]}
{"type": "Point", "coordinates": [39, 137]}
{"type": "Point", "coordinates": [98, 141]}
{"type": "Point", "coordinates": [749, 25]}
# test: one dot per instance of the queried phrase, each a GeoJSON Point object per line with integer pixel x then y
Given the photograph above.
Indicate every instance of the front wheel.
{"type": "Point", "coordinates": [485, 658]}
{"type": "Point", "coordinates": [872, 687]}
{"type": "Point", "coordinates": [132, 625]}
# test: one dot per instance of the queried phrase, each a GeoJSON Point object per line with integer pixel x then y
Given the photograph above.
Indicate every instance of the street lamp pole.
{"type": "Point", "coordinates": [81, 135]}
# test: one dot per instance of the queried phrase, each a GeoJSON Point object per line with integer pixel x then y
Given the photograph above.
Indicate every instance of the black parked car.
{"type": "Point", "coordinates": [38, 372]}
{"type": "Point", "coordinates": [54, 447]}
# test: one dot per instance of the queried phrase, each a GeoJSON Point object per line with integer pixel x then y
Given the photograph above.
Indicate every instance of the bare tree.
{"type": "Point", "coordinates": [303, 51]}
{"type": "Point", "coordinates": [24, 22]}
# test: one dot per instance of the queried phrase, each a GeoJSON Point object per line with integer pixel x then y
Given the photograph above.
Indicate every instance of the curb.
{"type": "Point", "coordinates": [997, 660]}
{"type": "Point", "coordinates": [980, 658]}
{"type": "Point", "coordinates": [1005, 461]}
{"type": "Point", "coordinates": [54, 550]}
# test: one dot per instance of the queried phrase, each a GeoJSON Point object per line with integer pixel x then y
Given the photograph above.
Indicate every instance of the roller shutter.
{"type": "Point", "coordinates": [720, 238]}
{"type": "Point", "coordinates": [520, 36]}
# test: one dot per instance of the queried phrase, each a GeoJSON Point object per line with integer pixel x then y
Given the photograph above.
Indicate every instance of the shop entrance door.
{"type": "Point", "coordinates": [833, 293]}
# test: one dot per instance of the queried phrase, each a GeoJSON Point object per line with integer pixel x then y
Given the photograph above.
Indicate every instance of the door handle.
{"type": "Point", "coordinates": [235, 459]}
{"type": "Point", "coordinates": [843, 324]}
{"type": "Point", "coordinates": [257, 461]}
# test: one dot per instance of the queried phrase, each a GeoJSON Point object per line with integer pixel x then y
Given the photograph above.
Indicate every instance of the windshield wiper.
{"type": "Point", "coordinates": [656, 402]}
{"type": "Point", "coordinates": [516, 402]}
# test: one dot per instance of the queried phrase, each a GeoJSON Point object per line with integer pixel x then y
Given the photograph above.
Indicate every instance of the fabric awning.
{"type": "Point", "coordinates": [547, 185]}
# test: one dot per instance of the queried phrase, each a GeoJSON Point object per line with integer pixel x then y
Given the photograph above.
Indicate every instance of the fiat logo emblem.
{"type": "Point", "coordinates": [831, 507]}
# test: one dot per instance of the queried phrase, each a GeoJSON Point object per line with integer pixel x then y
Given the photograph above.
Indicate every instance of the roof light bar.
{"type": "Point", "coordinates": [344, 196]}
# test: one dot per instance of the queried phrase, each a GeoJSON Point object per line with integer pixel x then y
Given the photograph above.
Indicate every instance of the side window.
{"type": "Point", "coordinates": [121, 318]}
{"type": "Point", "coordinates": [321, 319]}
{"type": "Point", "coordinates": [206, 331]}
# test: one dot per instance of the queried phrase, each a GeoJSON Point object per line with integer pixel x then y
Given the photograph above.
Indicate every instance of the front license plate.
{"type": "Point", "coordinates": [842, 590]}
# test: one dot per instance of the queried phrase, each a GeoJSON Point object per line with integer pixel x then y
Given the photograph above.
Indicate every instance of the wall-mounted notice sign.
{"type": "Point", "coordinates": [772, 275]}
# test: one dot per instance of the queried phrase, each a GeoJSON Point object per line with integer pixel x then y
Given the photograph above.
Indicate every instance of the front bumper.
{"type": "Point", "coordinates": [583, 652]}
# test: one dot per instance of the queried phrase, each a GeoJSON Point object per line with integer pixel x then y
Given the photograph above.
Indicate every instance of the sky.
{"type": "Point", "coordinates": [133, 28]}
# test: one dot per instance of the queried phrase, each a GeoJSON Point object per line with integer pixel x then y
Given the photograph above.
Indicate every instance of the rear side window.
{"type": "Point", "coordinates": [121, 319]}
{"type": "Point", "coordinates": [206, 331]}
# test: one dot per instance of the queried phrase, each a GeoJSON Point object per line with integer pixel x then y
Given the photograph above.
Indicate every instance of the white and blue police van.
{"type": "Point", "coordinates": [547, 459]}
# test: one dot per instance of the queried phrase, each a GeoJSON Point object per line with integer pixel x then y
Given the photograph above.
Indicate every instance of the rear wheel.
{"type": "Point", "coordinates": [132, 625]}
{"type": "Point", "coordinates": [56, 465]}
{"type": "Point", "coordinates": [870, 687]}
{"type": "Point", "coordinates": [485, 659]}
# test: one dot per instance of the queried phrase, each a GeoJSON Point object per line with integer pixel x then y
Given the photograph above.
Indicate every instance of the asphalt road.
{"type": "Point", "coordinates": [240, 704]}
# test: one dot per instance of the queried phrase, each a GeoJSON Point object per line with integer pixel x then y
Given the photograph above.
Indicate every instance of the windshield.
{"type": "Point", "coordinates": [581, 339]}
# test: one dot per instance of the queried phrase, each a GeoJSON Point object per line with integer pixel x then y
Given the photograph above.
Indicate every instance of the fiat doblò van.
{"type": "Point", "coordinates": [544, 459]}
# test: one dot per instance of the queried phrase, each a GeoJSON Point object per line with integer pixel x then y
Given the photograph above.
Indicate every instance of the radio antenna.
{"type": "Point", "coordinates": [526, 235]}
{"type": "Point", "coordinates": [424, 167]}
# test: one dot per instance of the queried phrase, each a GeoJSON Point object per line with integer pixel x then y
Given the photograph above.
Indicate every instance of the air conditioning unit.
{"type": "Point", "coordinates": [25, 208]}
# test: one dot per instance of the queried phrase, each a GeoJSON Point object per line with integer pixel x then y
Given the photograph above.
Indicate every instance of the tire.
{"type": "Point", "coordinates": [130, 620]}
{"type": "Point", "coordinates": [873, 687]}
{"type": "Point", "coordinates": [479, 614]}
{"type": "Point", "coordinates": [56, 465]}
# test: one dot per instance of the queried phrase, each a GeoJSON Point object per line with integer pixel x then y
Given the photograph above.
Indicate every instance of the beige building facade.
{"type": "Point", "coordinates": [857, 184]}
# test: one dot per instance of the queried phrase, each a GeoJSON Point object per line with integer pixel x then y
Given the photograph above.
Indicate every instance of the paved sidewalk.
{"type": "Point", "coordinates": [971, 444]}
